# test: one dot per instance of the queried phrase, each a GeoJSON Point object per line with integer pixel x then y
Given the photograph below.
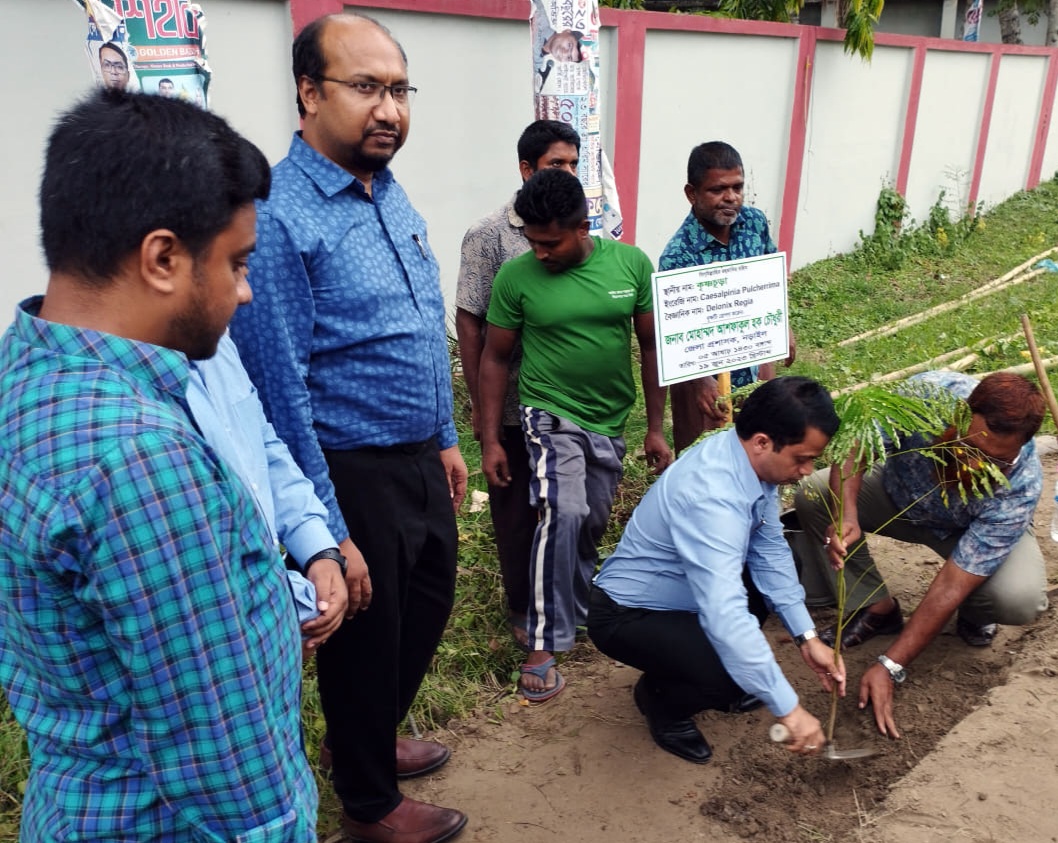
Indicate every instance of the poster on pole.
{"type": "Point", "coordinates": [565, 55]}
{"type": "Point", "coordinates": [158, 48]}
{"type": "Point", "coordinates": [720, 316]}
{"type": "Point", "coordinates": [972, 27]}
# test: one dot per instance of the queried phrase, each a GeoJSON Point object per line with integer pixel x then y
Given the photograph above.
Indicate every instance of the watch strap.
{"type": "Point", "coordinates": [327, 553]}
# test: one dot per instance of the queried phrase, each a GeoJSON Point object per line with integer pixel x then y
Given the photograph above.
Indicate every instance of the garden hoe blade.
{"type": "Point", "coordinates": [780, 734]}
{"type": "Point", "coordinates": [832, 753]}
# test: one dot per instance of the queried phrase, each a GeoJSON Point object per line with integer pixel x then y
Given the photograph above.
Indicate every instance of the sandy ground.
{"type": "Point", "coordinates": [977, 761]}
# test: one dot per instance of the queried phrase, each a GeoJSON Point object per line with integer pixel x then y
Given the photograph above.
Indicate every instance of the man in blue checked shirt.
{"type": "Point", "coordinates": [148, 642]}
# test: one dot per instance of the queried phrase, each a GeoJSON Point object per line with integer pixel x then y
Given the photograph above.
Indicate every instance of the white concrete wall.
{"type": "Point", "coordinates": [1017, 105]}
{"type": "Point", "coordinates": [949, 117]}
{"type": "Point", "coordinates": [852, 149]}
{"type": "Point", "coordinates": [681, 109]}
{"type": "Point", "coordinates": [460, 161]}
{"type": "Point", "coordinates": [49, 51]}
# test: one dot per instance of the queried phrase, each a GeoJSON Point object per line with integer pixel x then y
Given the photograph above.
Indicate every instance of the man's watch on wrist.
{"type": "Point", "coordinates": [896, 671]}
{"type": "Point", "coordinates": [329, 553]}
{"type": "Point", "coordinates": [800, 640]}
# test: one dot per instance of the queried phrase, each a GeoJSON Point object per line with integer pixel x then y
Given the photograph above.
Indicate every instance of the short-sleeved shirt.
{"type": "Point", "coordinates": [692, 245]}
{"type": "Point", "coordinates": [576, 331]}
{"type": "Point", "coordinates": [990, 526]}
{"type": "Point", "coordinates": [488, 245]}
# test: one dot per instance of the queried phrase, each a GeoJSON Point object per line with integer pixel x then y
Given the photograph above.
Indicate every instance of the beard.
{"type": "Point", "coordinates": [198, 329]}
{"type": "Point", "coordinates": [361, 157]}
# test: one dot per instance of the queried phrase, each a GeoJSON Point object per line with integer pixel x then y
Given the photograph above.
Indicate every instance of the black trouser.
{"type": "Point", "coordinates": [398, 509]}
{"type": "Point", "coordinates": [514, 521]}
{"type": "Point", "coordinates": [682, 673]}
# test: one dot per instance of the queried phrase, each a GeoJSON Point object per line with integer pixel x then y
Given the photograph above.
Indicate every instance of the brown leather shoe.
{"type": "Point", "coordinates": [410, 822]}
{"type": "Point", "coordinates": [417, 758]}
{"type": "Point", "coordinates": [414, 758]}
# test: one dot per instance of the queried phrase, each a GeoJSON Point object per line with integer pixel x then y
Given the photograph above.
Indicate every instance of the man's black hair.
{"type": "Point", "coordinates": [714, 155]}
{"type": "Point", "coordinates": [784, 408]}
{"type": "Point", "coordinates": [120, 165]}
{"type": "Point", "coordinates": [552, 196]}
{"type": "Point", "coordinates": [307, 53]}
{"type": "Point", "coordinates": [538, 136]}
{"type": "Point", "coordinates": [112, 45]}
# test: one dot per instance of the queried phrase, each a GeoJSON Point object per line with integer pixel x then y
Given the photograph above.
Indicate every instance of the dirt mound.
{"type": "Point", "coordinates": [584, 768]}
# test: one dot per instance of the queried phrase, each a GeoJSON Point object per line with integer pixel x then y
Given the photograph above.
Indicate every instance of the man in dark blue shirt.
{"type": "Point", "coordinates": [347, 345]}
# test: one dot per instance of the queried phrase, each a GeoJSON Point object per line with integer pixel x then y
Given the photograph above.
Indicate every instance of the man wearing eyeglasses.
{"type": "Point", "coordinates": [347, 347]}
{"type": "Point", "coordinates": [993, 571]}
{"type": "Point", "coordinates": [114, 66]}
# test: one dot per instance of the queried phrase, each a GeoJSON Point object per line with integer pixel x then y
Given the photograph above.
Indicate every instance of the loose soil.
{"type": "Point", "coordinates": [977, 760]}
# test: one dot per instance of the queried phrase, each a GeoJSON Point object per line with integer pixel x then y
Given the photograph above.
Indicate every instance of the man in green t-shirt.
{"type": "Point", "coordinates": [573, 300]}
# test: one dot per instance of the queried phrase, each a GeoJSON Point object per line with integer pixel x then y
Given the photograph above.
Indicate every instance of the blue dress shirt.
{"type": "Point", "coordinates": [684, 549]}
{"type": "Point", "coordinates": [345, 337]}
{"type": "Point", "coordinates": [229, 414]}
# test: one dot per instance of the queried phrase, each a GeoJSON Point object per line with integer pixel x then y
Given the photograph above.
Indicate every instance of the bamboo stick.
{"type": "Point", "coordinates": [1029, 368]}
{"type": "Point", "coordinates": [1041, 371]}
{"type": "Point", "coordinates": [922, 316]}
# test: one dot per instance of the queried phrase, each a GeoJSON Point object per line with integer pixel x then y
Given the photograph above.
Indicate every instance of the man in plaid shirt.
{"type": "Point", "coordinates": [148, 641]}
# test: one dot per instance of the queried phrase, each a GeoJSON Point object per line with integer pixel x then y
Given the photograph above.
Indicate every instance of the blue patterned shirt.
{"type": "Point", "coordinates": [990, 526]}
{"type": "Point", "coordinates": [345, 338]}
{"type": "Point", "coordinates": [692, 245]}
{"type": "Point", "coordinates": [149, 647]}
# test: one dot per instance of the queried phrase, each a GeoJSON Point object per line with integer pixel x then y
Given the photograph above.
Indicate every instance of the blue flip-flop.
{"type": "Point", "coordinates": [540, 671]}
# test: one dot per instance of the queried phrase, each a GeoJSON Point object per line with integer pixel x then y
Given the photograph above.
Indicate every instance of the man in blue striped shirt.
{"type": "Point", "coordinates": [148, 641]}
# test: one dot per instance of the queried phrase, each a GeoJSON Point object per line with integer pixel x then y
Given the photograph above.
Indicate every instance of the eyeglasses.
{"type": "Point", "coordinates": [114, 66]}
{"type": "Point", "coordinates": [1001, 464]}
{"type": "Point", "coordinates": [1005, 466]}
{"type": "Point", "coordinates": [402, 94]}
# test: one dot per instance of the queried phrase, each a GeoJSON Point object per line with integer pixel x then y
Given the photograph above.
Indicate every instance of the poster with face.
{"type": "Point", "coordinates": [158, 48]}
{"type": "Point", "coordinates": [565, 54]}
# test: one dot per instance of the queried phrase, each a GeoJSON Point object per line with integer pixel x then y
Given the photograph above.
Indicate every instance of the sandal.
{"type": "Point", "coordinates": [863, 626]}
{"type": "Point", "coordinates": [540, 672]}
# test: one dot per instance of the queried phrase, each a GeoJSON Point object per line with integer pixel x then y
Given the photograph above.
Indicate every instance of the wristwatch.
{"type": "Point", "coordinates": [896, 671]}
{"type": "Point", "coordinates": [799, 640]}
{"type": "Point", "coordinates": [330, 553]}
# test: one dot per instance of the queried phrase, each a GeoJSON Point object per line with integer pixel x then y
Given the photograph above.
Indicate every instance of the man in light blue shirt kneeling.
{"type": "Point", "coordinates": [701, 564]}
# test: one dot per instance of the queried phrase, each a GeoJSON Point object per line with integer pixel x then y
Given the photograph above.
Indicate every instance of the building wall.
{"type": "Point", "coordinates": [254, 95]}
{"type": "Point", "coordinates": [820, 132]}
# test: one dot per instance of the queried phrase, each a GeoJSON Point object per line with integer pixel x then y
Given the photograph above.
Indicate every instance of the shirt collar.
{"type": "Point", "coordinates": [160, 367]}
{"type": "Point", "coordinates": [512, 215]}
{"type": "Point", "coordinates": [330, 178]}
{"type": "Point", "coordinates": [697, 232]}
{"type": "Point", "coordinates": [747, 477]}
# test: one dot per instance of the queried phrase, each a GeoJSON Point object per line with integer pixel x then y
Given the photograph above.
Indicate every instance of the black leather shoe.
{"type": "Point", "coordinates": [863, 626]}
{"type": "Point", "coordinates": [680, 737]}
{"type": "Point", "coordinates": [974, 635]}
{"type": "Point", "coordinates": [745, 704]}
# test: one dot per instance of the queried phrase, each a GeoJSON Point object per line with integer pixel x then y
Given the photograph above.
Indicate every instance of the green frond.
{"type": "Point", "coordinates": [875, 416]}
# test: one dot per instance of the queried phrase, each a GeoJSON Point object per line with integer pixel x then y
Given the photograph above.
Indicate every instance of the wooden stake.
{"type": "Point", "coordinates": [723, 387]}
{"type": "Point", "coordinates": [1041, 371]}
